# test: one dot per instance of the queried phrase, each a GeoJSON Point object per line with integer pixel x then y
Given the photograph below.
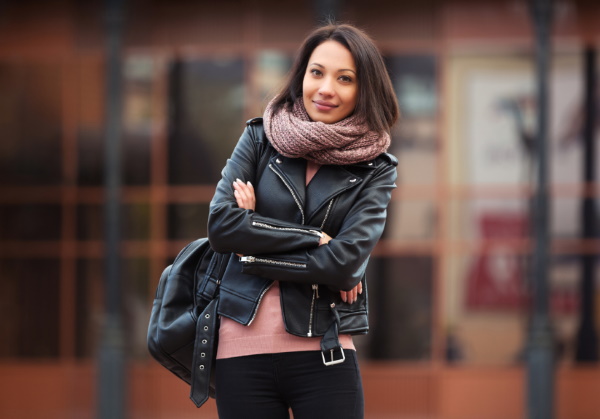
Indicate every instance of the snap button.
{"type": "Point", "coordinates": [207, 316]}
{"type": "Point", "coordinates": [204, 341]}
{"type": "Point", "coordinates": [205, 328]}
{"type": "Point", "coordinates": [202, 354]}
{"type": "Point", "coordinates": [278, 161]}
{"type": "Point", "coordinates": [201, 367]}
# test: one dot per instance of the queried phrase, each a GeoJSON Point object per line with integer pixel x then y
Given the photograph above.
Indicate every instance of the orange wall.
{"type": "Point", "coordinates": [41, 390]}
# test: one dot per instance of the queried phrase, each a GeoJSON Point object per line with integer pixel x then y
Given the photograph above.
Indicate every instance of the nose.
{"type": "Point", "coordinates": [326, 87]}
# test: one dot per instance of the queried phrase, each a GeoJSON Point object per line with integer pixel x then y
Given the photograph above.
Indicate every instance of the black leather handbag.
{"type": "Point", "coordinates": [182, 333]}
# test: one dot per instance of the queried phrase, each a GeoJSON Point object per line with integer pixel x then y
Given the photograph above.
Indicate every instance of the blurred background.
{"type": "Point", "coordinates": [449, 283]}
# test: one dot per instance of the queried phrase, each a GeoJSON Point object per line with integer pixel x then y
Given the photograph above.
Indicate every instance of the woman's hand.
{"type": "Point", "coordinates": [352, 295]}
{"type": "Point", "coordinates": [244, 194]}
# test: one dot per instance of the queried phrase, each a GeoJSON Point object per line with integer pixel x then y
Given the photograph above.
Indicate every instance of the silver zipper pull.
{"type": "Point", "coordinates": [315, 288]}
{"type": "Point", "coordinates": [248, 259]}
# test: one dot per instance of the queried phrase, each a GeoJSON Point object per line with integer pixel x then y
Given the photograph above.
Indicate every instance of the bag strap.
{"type": "Point", "coordinates": [204, 353]}
{"type": "Point", "coordinates": [207, 326]}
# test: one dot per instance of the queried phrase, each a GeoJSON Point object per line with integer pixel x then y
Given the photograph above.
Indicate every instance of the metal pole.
{"type": "Point", "coordinates": [587, 340]}
{"type": "Point", "coordinates": [540, 353]}
{"type": "Point", "coordinates": [111, 398]}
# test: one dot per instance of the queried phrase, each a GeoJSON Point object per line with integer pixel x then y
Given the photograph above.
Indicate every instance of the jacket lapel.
{"type": "Point", "coordinates": [328, 182]}
{"type": "Point", "coordinates": [293, 173]}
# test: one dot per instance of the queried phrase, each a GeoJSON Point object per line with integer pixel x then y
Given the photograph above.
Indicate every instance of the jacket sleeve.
{"type": "Point", "coordinates": [341, 263]}
{"type": "Point", "coordinates": [232, 229]}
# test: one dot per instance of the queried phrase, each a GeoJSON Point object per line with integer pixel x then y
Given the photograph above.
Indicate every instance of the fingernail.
{"type": "Point", "coordinates": [249, 184]}
{"type": "Point", "coordinates": [238, 180]}
{"type": "Point", "coordinates": [360, 292]}
{"type": "Point", "coordinates": [344, 298]}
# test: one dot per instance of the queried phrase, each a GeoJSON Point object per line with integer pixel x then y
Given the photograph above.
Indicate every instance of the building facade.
{"type": "Point", "coordinates": [449, 283]}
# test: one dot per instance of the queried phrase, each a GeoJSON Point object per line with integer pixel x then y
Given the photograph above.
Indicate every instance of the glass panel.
{"type": "Point", "coordinates": [90, 136]}
{"type": "Point", "coordinates": [486, 307]}
{"type": "Point", "coordinates": [187, 221]}
{"type": "Point", "coordinates": [489, 219]}
{"type": "Point", "coordinates": [492, 125]}
{"type": "Point", "coordinates": [135, 221]}
{"type": "Point", "coordinates": [136, 278]}
{"type": "Point", "coordinates": [89, 306]}
{"type": "Point", "coordinates": [271, 68]}
{"type": "Point", "coordinates": [30, 222]}
{"type": "Point", "coordinates": [415, 136]}
{"type": "Point", "coordinates": [29, 308]}
{"type": "Point", "coordinates": [411, 220]}
{"type": "Point", "coordinates": [400, 308]}
{"type": "Point", "coordinates": [206, 117]}
{"type": "Point", "coordinates": [137, 119]}
{"type": "Point", "coordinates": [30, 153]}
{"type": "Point", "coordinates": [137, 122]}
{"type": "Point", "coordinates": [566, 217]}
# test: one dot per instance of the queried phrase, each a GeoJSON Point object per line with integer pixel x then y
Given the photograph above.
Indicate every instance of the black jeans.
{"type": "Point", "coordinates": [267, 386]}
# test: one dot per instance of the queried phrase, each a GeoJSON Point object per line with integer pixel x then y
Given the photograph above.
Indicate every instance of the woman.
{"type": "Point", "coordinates": [301, 204]}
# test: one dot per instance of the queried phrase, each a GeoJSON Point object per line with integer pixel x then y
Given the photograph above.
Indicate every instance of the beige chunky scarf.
{"type": "Point", "coordinates": [348, 141]}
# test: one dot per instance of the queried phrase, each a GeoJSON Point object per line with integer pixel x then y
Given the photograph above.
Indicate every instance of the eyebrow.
{"type": "Point", "coordinates": [339, 71]}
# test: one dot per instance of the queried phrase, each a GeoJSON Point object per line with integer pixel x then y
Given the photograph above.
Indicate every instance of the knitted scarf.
{"type": "Point", "coordinates": [348, 141]}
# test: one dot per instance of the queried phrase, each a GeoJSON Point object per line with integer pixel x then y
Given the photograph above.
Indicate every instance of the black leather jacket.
{"type": "Point", "coordinates": [280, 240]}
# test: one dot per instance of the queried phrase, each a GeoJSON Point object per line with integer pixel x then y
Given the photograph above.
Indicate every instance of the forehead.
{"type": "Point", "coordinates": [332, 54]}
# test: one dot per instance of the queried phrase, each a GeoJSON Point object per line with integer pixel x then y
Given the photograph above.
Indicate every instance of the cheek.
{"type": "Point", "coordinates": [351, 97]}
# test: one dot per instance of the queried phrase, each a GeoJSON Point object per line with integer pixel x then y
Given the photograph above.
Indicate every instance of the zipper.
{"type": "Point", "coordinates": [300, 230]}
{"type": "Point", "coordinates": [258, 303]}
{"type": "Point", "coordinates": [291, 191]}
{"type": "Point", "coordinates": [315, 288]}
{"type": "Point", "coordinates": [327, 213]}
{"type": "Point", "coordinates": [253, 259]}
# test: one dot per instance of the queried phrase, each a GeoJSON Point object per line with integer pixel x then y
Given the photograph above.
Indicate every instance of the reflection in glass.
{"type": "Point", "coordinates": [415, 136]}
{"type": "Point", "coordinates": [30, 222]}
{"type": "Point", "coordinates": [137, 119]}
{"type": "Point", "coordinates": [271, 69]}
{"type": "Point", "coordinates": [488, 302]}
{"type": "Point", "coordinates": [400, 308]}
{"type": "Point", "coordinates": [135, 223]}
{"type": "Point", "coordinates": [30, 120]}
{"type": "Point", "coordinates": [136, 282]}
{"type": "Point", "coordinates": [206, 99]}
{"type": "Point", "coordinates": [411, 220]}
{"type": "Point", "coordinates": [187, 221]}
{"type": "Point", "coordinates": [89, 306]}
{"type": "Point", "coordinates": [29, 308]}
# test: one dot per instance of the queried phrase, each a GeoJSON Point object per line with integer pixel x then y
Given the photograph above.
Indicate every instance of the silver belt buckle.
{"type": "Point", "coordinates": [333, 361]}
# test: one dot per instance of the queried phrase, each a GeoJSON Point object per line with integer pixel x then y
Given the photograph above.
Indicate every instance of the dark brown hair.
{"type": "Point", "coordinates": [376, 103]}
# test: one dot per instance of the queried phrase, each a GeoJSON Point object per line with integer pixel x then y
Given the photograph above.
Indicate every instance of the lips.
{"type": "Point", "coordinates": [324, 105]}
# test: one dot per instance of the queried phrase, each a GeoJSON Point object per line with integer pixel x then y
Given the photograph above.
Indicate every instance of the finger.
{"type": "Point", "coordinates": [244, 195]}
{"type": "Point", "coordinates": [343, 294]}
{"type": "Point", "coordinates": [354, 293]}
{"type": "Point", "coordinates": [360, 288]}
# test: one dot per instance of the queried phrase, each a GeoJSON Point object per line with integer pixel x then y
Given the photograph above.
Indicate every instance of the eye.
{"type": "Point", "coordinates": [315, 72]}
{"type": "Point", "coordinates": [345, 79]}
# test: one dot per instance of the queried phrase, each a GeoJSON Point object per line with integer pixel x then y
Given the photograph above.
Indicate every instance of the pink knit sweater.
{"type": "Point", "coordinates": [266, 334]}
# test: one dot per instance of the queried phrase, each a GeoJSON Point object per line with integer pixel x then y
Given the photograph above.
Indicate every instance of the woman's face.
{"type": "Point", "coordinates": [330, 86]}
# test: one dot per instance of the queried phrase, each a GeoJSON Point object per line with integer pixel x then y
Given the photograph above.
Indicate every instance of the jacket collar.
{"type": "Point", "coordinates": [328, 182]}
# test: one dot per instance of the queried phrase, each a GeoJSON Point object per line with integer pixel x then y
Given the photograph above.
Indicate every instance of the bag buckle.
{"type": "Point", "coordinates": [333, 360]}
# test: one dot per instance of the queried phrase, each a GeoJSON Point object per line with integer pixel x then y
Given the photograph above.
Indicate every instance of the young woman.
{"type": "Point", "coordinates": [301, 205]}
